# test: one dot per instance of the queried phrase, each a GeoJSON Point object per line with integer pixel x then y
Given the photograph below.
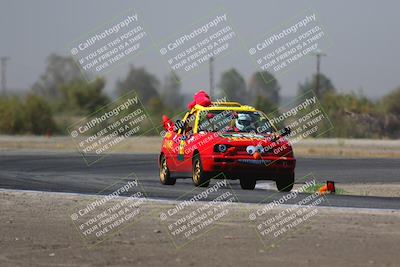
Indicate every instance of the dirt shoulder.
{"type": "Point", "coordinates": [378, 190]}
{"type": "Point", "coordinates": [355, 148]}
{"type": "Point", "coordinates": [365, 189]}
{"type": "Point", "coordinates": [36, 230]}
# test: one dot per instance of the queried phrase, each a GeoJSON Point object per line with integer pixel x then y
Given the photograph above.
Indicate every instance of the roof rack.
{"type": "Point", "coordinates": [226, 104]}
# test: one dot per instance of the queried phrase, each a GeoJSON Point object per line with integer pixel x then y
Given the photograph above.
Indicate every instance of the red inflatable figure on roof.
{"type": "Point", "coordinates": [200, 98]}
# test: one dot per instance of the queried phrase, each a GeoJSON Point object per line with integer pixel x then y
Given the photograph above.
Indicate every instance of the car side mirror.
{"type": "Point", "coordinates": [286, 131]}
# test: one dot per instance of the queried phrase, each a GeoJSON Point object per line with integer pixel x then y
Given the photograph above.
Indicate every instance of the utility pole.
{"type": "Point", "coordinates": [211, 77]}
{"type": "Point", "coordinates": [3, 74]}
{"type": "Point", "coordinates": [318, 54]}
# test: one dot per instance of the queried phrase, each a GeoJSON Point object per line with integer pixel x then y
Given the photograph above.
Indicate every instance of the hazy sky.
{"type": "Point", "coordinates": [364, 54]}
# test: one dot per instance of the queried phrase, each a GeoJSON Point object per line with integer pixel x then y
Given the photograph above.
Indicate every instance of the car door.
{"type": "Point", "coordinates": [177, 146]}
{"type": "Point", "coordinates": [187, 143]}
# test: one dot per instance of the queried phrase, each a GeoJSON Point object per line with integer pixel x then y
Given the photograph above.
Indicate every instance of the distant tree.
{"type": "Point", "coordinates": [263, 85]}
{"type": "Point", "coordinates": [233, 86]}
{"type": "Point", "coordinates": [81, 97]}
{"type": "Point", "coordinates": [12, 113]}
{"type": "Point", "coordinates": [262, 103]}
{"type": "Point", "coordinates": [38, 115]}
{"type": "Point", "coordinates": [31, 114]}
{"type": "Point", "coordinates": [59, 71]}
{"type": "Point", "coordinates": [353, 116]}
{"type": "Point", "coordinates": [171, 92]}
{"type": "Point", "coordinates": [390, 107]}
{"type": "Point", "coordinates": [144, 83]}
{"type": "Point", "coordinates": [325, 85]}
{"type": "Point", "coordinates": [391, 102]}
{"type": "Point", "coordinates": [156, 107]}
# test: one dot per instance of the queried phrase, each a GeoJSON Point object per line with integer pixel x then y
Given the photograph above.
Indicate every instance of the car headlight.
{"type": "Point", "coordinates": [221, 148]}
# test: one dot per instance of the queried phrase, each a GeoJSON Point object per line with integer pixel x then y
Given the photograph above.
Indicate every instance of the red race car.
{"type": "Point", "coordinates": [226, 137]}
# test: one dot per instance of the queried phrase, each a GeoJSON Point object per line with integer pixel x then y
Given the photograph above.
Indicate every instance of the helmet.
{"type": "Point", "coordinates": [243, 121]}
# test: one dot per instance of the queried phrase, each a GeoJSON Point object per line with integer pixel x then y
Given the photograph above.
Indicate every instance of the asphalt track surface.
{"type": "Point", "coordinates": [67, 172]}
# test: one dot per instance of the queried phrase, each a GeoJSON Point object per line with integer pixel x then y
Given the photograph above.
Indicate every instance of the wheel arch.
{"type": "Point", "coordinates": [195, 152]}
{"type": "Point", "coordinates": [159, 158]}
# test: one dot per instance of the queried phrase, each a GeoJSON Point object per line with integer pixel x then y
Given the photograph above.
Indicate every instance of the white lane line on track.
{"type": "Point", "coordinates": [266, 185]}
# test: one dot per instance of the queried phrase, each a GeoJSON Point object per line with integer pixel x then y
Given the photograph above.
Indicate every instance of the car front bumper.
{"type": "Point", "coordinates": [268, 167]}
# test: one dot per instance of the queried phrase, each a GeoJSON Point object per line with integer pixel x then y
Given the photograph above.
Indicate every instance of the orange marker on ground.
{"type": "Point", "coordinates": [323, 189]}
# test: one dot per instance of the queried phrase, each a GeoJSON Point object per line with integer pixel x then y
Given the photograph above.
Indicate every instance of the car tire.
{"type": "Point", "coordinates": [285, 182]}
{"type": "Point", "coordinates": [247, 184]}
{"type": "Point", "coordinates": [165, 175]}
{"type": "Point", "coordinates": [199, 177]}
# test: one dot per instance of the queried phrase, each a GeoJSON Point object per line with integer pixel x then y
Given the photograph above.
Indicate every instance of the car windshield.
{"type": "Point", "coordinates": [234, 121]}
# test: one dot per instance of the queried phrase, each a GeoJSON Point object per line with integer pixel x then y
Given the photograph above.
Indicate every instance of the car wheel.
{"type": "Point", "coordinates": [247, 184]}
{"type": "Point", "coordinates": [199, 177]}
{"type": "Point", "coordinates": [285, 182]}
{"type": "Point", "coordinates": [165, 175]}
